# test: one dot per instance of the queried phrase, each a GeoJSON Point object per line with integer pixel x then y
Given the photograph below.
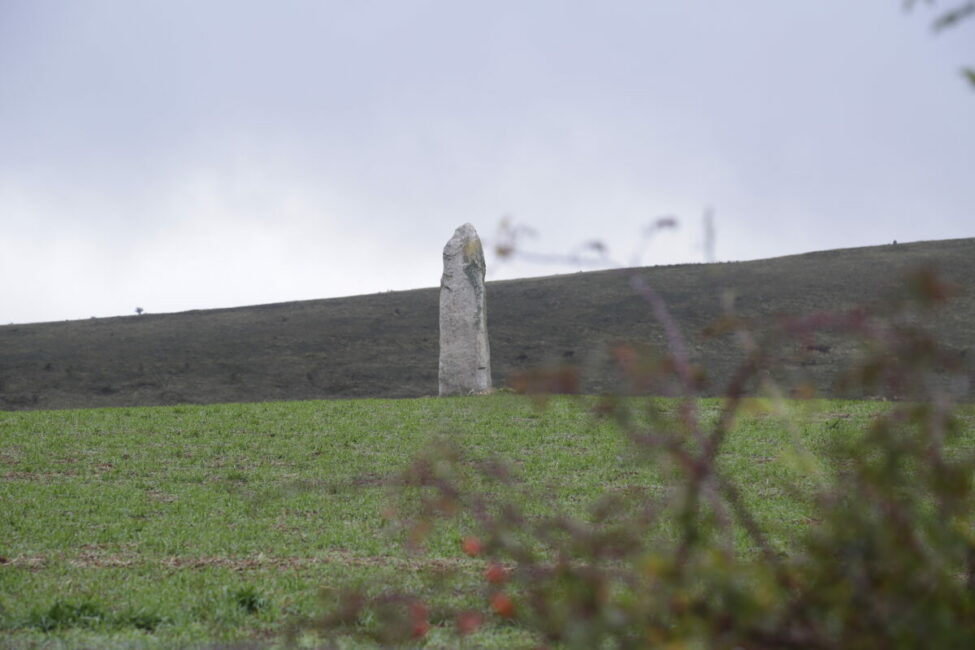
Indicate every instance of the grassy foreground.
{"type": "Point", "coordinates": [178, 526]}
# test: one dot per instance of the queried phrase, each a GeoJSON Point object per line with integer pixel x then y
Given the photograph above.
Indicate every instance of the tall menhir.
{"type": "Point", "coordinates": [465, 354]}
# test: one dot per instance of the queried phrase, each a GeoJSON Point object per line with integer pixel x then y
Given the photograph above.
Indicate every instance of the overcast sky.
{"type": "Point", "coordinates": [186, 154]}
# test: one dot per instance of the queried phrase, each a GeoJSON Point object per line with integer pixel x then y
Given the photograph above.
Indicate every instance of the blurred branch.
{"type": "Point", "coordinates": [954, 16]}
{"type": "Point", "coordinates": [510, 238]}
{"type": "Point", "coordinates": [949, 19]}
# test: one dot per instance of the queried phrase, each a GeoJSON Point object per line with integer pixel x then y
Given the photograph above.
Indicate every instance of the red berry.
{"type": "Point", "coordinates": [472, 546]}
{"type": "Point", "coordinates": [495, 573]}
{"type": "Point", "coordinates": [468, 622]}
{"type": "Point", "coordinates": [502, 605]}
{"type": "Point", "coordinates": [420, 629]}
{"type": "Point", "coordinates": [419, 614]}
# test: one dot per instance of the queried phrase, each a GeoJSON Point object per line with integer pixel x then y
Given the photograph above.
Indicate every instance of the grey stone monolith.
{"type": "Point", "coordinates": [465, 354]}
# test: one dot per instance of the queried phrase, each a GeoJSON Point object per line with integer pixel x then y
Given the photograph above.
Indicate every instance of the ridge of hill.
{"type": "Point", "coordinates": [386, 345]}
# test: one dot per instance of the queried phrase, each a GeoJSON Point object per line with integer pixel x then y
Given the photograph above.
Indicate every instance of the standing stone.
{"type": "Point", "coordinates": [465, 354]}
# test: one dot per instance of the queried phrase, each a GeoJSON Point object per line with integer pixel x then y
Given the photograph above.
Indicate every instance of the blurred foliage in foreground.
{"type": "Point", "coordinates": [949, 18]}
{"type": "Point", "coordinates": [887, 560]}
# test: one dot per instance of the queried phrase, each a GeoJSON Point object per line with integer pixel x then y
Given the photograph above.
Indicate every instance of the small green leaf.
{"type": "Point", "coordinates": [969, 73]}
{"type": "Point", "coordinates": [953, 17]}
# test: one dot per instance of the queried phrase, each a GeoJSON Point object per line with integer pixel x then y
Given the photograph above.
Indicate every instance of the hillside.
{"type": "Point", "coordinates": [385, 345]}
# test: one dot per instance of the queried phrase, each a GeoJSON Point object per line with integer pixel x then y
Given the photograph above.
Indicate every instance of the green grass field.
{"type": "Point", "coordinates": [177, 526]}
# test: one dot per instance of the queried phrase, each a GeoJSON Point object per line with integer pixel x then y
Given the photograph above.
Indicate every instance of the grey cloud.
{"type": "Point", "coordinates": [807, 124]}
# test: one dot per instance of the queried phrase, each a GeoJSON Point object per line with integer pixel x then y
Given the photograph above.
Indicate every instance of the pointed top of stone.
{"type": "Point", "coordinates": [463, 233]}
{"type": "Point", "coordinates": [467, 245]}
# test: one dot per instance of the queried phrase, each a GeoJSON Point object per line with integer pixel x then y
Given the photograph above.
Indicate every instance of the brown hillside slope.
{"type": "Point", "coordinates": [385, 345]}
